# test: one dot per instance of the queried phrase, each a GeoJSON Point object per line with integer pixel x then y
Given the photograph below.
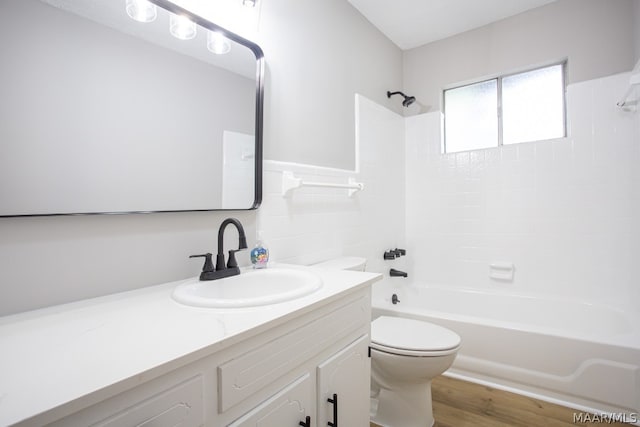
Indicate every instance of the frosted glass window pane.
{"type": "Point", "coordinates": [533, 105]}
{"type": "Point", "coordinates": [471, 117]}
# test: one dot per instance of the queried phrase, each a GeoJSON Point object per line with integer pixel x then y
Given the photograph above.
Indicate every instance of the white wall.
{"type": "Point", "coordinates": [319, 53]}
{"type": "Point", "coordinates": [636, 28]}
{"type": "Point", "coordinates": [595, 35]}
{"type": "Point", "coordinates": [314, 224]}
{"type": "Point", "coordinates": [562, 211]}
{"type": "Point", "coordinates": [46, 261]}
{"type": "Point", "coordinates": [565, 212]}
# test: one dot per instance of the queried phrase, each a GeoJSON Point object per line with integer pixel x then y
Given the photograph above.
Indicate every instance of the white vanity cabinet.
{"type": "Point", "coordinates": [322, 356]}
{"type": "Point", "coordinates": [341, 395]}
{"type": "Point", "coordinates": [280, 374]}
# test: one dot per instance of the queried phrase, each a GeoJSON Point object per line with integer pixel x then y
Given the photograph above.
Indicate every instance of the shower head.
{"type": "Point", "coordinates": [408, 100]}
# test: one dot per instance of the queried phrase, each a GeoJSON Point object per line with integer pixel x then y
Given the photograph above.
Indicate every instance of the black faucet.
{"type": "Point", "coordinates": [397, 273]}
{"type": "Point", "coordinates": [231, 267]}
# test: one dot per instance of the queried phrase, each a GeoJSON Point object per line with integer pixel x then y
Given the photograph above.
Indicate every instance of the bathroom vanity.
{"type": "Point", "coordinates": [140, 358]}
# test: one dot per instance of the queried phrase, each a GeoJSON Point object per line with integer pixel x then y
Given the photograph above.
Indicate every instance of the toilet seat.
{"type": "Point", "coordinates": [409, 337]}
{"type": "Point", "coordinates": [414, 353]}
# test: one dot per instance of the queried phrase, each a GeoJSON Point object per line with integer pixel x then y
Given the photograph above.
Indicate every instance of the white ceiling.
{"type": "Point", "coordinates": [412, 23]}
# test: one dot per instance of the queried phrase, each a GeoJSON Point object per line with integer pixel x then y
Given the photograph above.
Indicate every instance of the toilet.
{"type": "Point", "coordinates": [406, 354]}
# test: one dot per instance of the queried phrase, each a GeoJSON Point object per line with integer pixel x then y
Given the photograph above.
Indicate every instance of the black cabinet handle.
{"type": "Point", "coordinates": [334, 401]}
{"type": "Point", "coordinates": [306, 422]}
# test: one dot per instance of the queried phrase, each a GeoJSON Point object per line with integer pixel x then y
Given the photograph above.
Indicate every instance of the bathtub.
{"type": "Point", "coordinates": [581, 355]}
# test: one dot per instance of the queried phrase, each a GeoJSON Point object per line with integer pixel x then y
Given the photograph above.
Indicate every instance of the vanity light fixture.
{"type": "Point", "coordinates": [217, 43]}
{"type": "Point", "coordinates": [142, 10]}
{"type": "Point", "coordinates": [182, 27]}
{"type": "Point", "coordinates": [249, 3]}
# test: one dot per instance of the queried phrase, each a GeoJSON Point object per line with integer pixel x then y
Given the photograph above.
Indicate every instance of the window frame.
{"type": "Point", "coordinates": [500, 126]}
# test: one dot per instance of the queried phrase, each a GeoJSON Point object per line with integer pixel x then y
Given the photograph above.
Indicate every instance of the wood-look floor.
{"type": "Point", "coordinates": [459, 403]}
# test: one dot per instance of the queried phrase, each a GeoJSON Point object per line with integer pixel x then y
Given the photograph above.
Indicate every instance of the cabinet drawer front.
{"type": "Point", "coordinates": [248, 373]}
{"type": "Point", "coordinates": [180, 405]}
{"type": "Point", "coordinates": [287, 408]}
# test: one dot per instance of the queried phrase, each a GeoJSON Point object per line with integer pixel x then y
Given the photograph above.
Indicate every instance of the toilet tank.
{"type": "Point", "coordinates": [354, 263]}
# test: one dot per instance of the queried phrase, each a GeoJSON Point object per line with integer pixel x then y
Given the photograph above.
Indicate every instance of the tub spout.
{"type": "Point", "coordinates": [397, 273]}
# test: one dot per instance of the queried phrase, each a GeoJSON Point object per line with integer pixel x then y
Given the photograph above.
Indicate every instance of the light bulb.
{"type": "Point", "coordinates": [217, 43]}
{"type": "Point", "coordinates": [142, 10]}
{"type": "Point", "coordinates": [181, 27]}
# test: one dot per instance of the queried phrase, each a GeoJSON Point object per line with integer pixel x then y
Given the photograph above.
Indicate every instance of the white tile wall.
{"type": "Point", "coordinates": [315, 224]}
{"type": "Point", "coordinates": [565, 212]}
{"type": "Point", "coordinates": [634, 281]}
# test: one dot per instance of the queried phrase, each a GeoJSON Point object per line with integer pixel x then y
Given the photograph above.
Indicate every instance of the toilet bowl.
{"type": "Point", "coordinates": [406, 354]}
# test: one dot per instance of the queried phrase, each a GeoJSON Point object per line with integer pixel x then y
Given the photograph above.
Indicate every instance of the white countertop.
{"type": "Point", "coordinates": [57, 355]}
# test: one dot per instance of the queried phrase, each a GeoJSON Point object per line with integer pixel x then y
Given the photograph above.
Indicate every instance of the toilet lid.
{"type": "Point", "coordinates": [410, 334]}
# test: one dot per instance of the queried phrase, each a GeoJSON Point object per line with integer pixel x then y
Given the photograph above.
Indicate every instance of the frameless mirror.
{"type": "Point", "coordinates": [103, 113]}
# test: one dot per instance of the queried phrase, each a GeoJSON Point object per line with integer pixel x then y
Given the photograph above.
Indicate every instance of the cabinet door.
{"type": "Point", "coordinates": [345, 375]}
{"type": "Point", "coordinates": [286, 408]}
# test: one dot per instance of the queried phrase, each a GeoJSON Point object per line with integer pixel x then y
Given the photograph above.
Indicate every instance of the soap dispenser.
{"type": "Point", "coordinates": [260, 253]}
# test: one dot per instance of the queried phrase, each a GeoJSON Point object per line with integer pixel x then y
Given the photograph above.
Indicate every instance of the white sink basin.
{"type": "Point", "coordinates": [249, 289]}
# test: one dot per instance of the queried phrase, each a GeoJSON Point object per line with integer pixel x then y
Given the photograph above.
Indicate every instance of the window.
{"type": "Point", "coordinates": [523, 107]}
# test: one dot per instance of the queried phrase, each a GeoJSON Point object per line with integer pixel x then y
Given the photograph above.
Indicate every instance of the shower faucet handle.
{"type": "Point", "coordinates": [400, 252]}
{"type": "Point", "coordinates": [395, 253]}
